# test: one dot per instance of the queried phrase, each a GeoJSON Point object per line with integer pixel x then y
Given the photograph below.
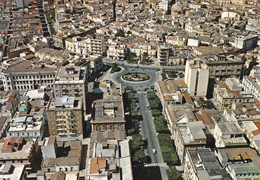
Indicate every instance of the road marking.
{"type": "Point", "coordinates": [156, 164]}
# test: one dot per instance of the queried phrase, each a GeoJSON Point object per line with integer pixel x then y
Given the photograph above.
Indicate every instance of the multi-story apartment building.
{"type": "Point", "coordinates": [202, 164]}
{"type": "Point", "coordinates": [197, 77]}
{"type": "Point", "coordinates": [163, 54]}
{"type": "Point", "coordinates": [71, 81]}
{"type": "Point", "coordinates": [116, 52]}
{"type": "Point", "coordinates": [108, 120]}
{"type": "Point", "coordinates": [246, 42]}
{"type": "Point", "coordinates": [65, 118]}
{"type": "Point", "coordinates": [98, 45]}
{"type": "Point", "coordinates": [224, 66]}
{"type": "Point", "coordinates": [59, 40]}
{"type": "Point", "coordinates": [95, 62]}
{"type": "Point", "coordinates": [24, 75]}
{"type": "Point", "coordinates": [251, 84]}
{"type": "Point", "coordinates": [230, 91]}
{"type": "Point", "coordinates": [189, 136]}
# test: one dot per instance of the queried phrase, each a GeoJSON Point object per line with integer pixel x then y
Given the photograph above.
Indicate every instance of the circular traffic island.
{"type": "Point", "coordinates": [136, 77]}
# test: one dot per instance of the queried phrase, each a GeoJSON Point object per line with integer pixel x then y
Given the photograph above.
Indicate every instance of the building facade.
{"type": "Point", "coordinates": [197, 77]}
{"type": "Point", "coordinates": [65, 118]}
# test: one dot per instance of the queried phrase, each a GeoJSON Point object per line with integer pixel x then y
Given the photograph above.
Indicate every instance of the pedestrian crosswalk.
{"type": "Point", "coordinates": [156, 164]}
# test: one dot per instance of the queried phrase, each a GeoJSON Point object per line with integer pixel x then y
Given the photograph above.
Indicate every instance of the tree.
{"type": "Point", "coordinates": [120, 33]}
{"type": "Point", "coordinates": [173, 174]}
{"type": "Point", "coordinates": [115, 68]}
{"type": "Point", "coordinates": [139, 156]}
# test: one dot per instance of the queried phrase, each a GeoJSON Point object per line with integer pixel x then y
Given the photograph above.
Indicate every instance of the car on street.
{"type": "Point", "coordinates": [154, 151]}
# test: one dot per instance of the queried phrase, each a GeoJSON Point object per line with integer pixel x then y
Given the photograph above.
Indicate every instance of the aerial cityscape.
{"type": "Point", "coordinates": [129, 90]}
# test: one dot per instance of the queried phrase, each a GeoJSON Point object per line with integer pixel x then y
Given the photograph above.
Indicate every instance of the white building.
{"type": "Point", "coordinates": [228, 134]}
{"type": "Point", "coordinates": [164, 5]}
{"type": "Point", "coordinates": [71, 81]}
{"type": "Point", "coordinates": [96, 63]}
{"type": "Point", "coordinates": [12, 172]}
{"type": "Point", "coordinates": [116, 52]}
{"type": "Point", "coordinates": [197, 77]}
{"type": "Point", "coordinates": [252, 84]}
{"type": "Point", "coordinates": [25, 127]}
{"type": "Point", "coordinates": [28, 77]}
{"type": "Point", "coordinates": [246, 42]}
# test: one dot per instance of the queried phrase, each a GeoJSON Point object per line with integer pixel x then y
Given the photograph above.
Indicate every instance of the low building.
{"type": "Point", "coordinates": [21, 151]}
{"type": "Point", "coordinates": [228, 134]}
{"type": "Point", "coordinates": [25, 126]}
{"type": "Point", "coordinates": [67, 159]}
{"type": "Point", "coordinates": [173, 92]}
{"type": "Point", "coordinates": [181, 113]}
{"type": "Point", "coordinates": [65, 118]}
{"type": "Point", "coordinates": [252, 132]}
{"type": "Point", "coordinates": [239, 162]}
{"type": "Point", "coordinates": [111, 159]}
{"type": "Point", "coordinates": [201, 164]}
{"type": "Point", "coordinates": [189, 136]}
{"type": "Point", "coordinates": [10, 101]}
{"type": "Point", "coordinates": [13, 172]}
{"type": "Point", "coordinates": [229, 92]}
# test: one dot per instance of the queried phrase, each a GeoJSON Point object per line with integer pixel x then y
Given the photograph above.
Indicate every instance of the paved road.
{"type": "Point", "coordinates": [148, 131]}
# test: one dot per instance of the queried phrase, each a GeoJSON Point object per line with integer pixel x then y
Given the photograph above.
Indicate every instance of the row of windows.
{"type": "Point", "coordinates": [30, 77]}
{"type": "Point", "coordinates": [104, 127]}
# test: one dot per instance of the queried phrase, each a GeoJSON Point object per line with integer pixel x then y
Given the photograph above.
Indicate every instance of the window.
{"type": "Point", "coordinates": [104, 127]}
{"type": "Point", "coordinates": [111, 127]}
{"type": "Point", "coordinates": [97, 128]}
{"type": "Point", "coordinates": [118, 127]}
{"type": "Point", "coordinates": [49, 170]}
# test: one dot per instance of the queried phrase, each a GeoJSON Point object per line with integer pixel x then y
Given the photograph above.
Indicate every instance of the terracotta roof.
{"type": "Point", "coordinates": [255, 132]}
{"type": "Point", "coordinates": [254, 112]}
{"type": "Point", "coordinates": [96, 163]}
{"type": "Point", "coordinates": [10, 99]}
{"type": "Point", "coordinates": [250, 79]}
{"type": "Point", "coordinates": [257, 124]}
{"type": "Point", "coordinates": [258, 106]}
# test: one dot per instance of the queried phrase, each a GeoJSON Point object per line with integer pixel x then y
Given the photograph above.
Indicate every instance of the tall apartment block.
{"type": "Point", "coordinates": [197, 77]}
{"type": "Point", "coordinates": [65, 116]}
{"type": "Point", "coordinates": [72, 82]}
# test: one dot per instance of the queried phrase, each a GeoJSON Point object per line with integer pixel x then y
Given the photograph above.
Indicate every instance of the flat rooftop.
{"type": "Point", "coordinates": [109, 110]}
{"type": "Point", "coordinates": [230, 128]}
